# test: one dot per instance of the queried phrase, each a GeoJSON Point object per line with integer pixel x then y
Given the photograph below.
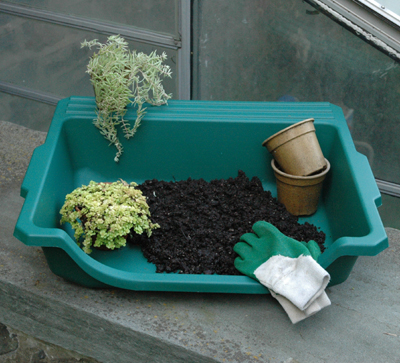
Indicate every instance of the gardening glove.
{"type": "Point", "coordinates": [287, 267]}
{"type": "Point", "coordinates": [297, 283]}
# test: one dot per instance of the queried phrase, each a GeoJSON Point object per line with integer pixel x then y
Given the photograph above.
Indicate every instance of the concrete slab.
{"type": "Point", "coordinates": [112, 325]}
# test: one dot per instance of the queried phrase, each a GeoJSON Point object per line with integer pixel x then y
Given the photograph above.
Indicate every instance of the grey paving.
{"type": "Point", "coordinates": [112, 325]}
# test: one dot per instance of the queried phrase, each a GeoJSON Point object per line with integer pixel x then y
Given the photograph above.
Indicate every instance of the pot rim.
{"type": "Point", "coordinates": [265, 142]}
{"type": "Point", "coordinates": [298, 177]}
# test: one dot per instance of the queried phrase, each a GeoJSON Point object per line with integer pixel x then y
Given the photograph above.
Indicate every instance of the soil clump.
{"type": "Point", "coordinates": [202, 221]}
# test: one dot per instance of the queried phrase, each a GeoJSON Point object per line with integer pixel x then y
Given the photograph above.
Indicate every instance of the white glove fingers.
{"type": "Point", "coordinates": [295, 314]}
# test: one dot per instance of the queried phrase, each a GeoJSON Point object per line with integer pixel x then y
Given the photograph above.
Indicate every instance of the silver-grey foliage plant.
{"type": "Point", "coordinates": [121, 77]}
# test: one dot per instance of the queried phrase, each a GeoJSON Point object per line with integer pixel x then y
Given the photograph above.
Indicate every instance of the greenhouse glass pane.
{"type": "Point", "coordinates": [24, 112]}
{"type": "Point", "coordinates": [288, 51]}
{"type": "Point", "coordinates": [389, 211]}
{"type": "Point", "coordinates": [155, 15]}
{"type": "Point", "coordinates": [392, 5]}
{"type": "Point", "coordinates": [48, 58]}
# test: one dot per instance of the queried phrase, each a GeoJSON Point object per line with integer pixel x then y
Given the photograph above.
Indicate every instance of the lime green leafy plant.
{"type": "Point", "coordinates": [104, 214]}
{"type": "Point", "coordinates": [121, 77]}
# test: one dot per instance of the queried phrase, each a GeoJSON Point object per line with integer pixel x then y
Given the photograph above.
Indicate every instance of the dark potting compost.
{"type": "Point", "coordinates": [201, 221]}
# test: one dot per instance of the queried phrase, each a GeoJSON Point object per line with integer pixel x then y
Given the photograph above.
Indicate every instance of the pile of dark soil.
{"type": "Point", "coordinates": [202, 221]}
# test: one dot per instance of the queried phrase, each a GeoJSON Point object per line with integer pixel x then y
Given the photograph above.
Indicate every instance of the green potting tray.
{"type": "Point", "coordinates": [197, 139]}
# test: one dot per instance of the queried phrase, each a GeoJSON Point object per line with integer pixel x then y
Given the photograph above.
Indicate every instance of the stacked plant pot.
{"type": "Point", "coordinates": [299, 166]}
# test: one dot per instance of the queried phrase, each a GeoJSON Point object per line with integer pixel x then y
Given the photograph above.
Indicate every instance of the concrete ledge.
{"type": "Point", "coordinates": [116, 325]}
{"type": "Point", "coordinates": [17, 347]}
{"type": "Point", "coordinates": [81, 331]}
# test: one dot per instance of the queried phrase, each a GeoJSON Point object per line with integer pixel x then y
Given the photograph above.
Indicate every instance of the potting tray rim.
{"type": "Point", "coordinates": [31, 233]}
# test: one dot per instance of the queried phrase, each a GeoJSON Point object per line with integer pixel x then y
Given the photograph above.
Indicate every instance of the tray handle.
{"type": "Point", "coordinates": [376, 240]}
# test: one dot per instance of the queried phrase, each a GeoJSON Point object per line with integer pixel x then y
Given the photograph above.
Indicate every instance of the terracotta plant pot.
{"type": "Point", "coordinates": [299, 194]}
{"type": "Point", "coordinates": [296, 149]}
